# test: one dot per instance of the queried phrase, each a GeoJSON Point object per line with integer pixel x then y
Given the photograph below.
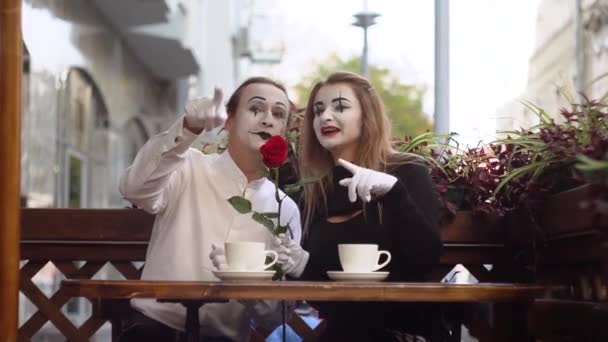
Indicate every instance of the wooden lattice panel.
{"type": "Point", "coordinates": [49, 309]}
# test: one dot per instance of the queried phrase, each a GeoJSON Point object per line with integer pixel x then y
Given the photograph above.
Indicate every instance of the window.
{"type": "Point", "coordinates": [85, 138]}
{"type": "Point", "coordinates": [76, 167]}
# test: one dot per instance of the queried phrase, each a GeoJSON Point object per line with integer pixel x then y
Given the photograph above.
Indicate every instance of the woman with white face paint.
{"type": "Point", "coordinates": [368, 194]}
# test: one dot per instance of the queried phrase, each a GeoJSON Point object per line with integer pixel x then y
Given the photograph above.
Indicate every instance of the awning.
{"type": "Point", "coordinates": [149, 30]}
{"type": "Point", "coordinates": [166, 58]}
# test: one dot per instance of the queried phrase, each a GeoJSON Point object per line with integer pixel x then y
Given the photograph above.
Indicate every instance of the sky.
{"type": "Point", "coordinates": [490, 44]}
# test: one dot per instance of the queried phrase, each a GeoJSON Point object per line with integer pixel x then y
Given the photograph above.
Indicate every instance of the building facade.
{"type": "Point", "coordinates": [553, 71]}
{"type": "Point", "coordinates": [99, 78]}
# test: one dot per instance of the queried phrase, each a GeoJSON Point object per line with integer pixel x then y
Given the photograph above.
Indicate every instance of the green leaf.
{"type": "Point", "coordinates": [295, 187]}
{"type": "Point", "coordinates": [265, 221]}
{"type": "Point", "coordinates": [542, 115]}
{"type": "Point", "coordinates": [437, 164]}
{"type": "Point", "coordinates": [282, 229]}
{"type": "Point", "coordinates": [292, 137]}
{"type": "Point", "coordinates": [587, 164]}
{"type": "Point", "coordinates": [242, 205]}
{"type": "Point", "coordinates": [520, 141]}
{"type": "Point", "coordinates": [511, 132]}
{"type": "Point", "coordinates": [428, 136]}
{"type": "Point", "coordinates": [292, 188]}
{"type": "Point", "coordinates": [271, 215]}
{"type": "Point", "coordinates": [517, 173]}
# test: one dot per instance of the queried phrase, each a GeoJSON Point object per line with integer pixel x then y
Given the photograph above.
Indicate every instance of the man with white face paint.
{"type": "Point", "coordinates": [188, 192]}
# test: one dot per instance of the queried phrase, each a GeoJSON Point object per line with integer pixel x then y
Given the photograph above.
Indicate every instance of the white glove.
{"type": "Point", "coordinates": [218, 257]}
{"type": "Point", "coordinates": [366, 182]}
{"type": "Point", "coordinates": [292, 257]}
{"type": "Point", "coordinates": [205, 113]}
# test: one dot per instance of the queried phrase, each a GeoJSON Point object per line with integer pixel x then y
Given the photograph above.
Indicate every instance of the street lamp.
{"type": "Point", "coordinates": [364, 20]}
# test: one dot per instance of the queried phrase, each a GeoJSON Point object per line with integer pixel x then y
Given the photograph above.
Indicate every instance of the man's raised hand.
{"type": "Point", "coordinates": [205, 113]}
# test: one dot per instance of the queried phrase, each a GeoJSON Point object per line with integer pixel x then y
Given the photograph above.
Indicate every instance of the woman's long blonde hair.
{"type": "Point", "coordinates": [374, 151]}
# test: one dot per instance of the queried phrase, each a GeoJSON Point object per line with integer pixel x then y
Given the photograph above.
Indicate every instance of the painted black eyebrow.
{"type": "Point", "coordinates": [340, 99]}
{"type": "Point", "coordinates": [256, 98]}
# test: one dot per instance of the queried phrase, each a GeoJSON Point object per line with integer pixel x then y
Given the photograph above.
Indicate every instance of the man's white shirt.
{"type": "Point", "coordinates": [188, 192]}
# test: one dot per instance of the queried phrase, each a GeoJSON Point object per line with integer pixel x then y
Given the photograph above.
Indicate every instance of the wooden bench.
{"type": "Point", "coordinates": [119, 237]}
{"type": "Point", "coordinates": [573, 256]}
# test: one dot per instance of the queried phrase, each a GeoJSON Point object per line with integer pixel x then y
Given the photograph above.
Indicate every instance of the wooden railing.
{"type": "Point", "coordinates": [574, 257]}
{"type": "Point", "coordinates": [120, 236]}
{"type": "Point", "coordinates": [64, 236]}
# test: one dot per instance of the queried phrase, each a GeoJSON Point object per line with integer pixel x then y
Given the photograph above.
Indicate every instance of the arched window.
{"type": "Point", "coordinates": [84, 131]}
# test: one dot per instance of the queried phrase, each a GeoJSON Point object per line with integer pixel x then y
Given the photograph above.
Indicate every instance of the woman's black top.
{"type": "Point", "coordinates": [404, 221]}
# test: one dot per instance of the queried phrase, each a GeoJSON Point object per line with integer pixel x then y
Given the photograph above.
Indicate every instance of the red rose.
{"type": "Point", "coordinates": [274, 151]}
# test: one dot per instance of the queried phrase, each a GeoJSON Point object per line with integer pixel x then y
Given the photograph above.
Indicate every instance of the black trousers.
{"type": "Point", "coordinates": [142, 328]}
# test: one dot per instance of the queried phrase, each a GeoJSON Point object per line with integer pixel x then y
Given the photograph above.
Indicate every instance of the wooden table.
{"type": "Point", "coordinates": [194, 294]}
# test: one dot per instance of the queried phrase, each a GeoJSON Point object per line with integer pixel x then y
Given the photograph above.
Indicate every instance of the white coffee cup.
{"type": "Point", "coordinates": [248, 256]}
{"type": "Point", "coordinates": [361, 258]}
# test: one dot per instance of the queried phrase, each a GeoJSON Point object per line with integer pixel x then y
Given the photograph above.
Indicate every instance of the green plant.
{"type": "Point", "coordinates": [439, 153]}
{"type": "Point", "coordinates": [526, 165]}
{"type": "Point", "coordinates": [552, 149]}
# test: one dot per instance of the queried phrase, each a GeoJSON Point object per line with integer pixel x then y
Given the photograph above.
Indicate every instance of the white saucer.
{"type": "Point", "coordinates": [357, 276]}
{"type": "Point", "coordinates": [228, 275]}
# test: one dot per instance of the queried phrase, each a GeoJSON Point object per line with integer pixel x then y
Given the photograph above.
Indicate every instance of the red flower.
{"type": "Point", "coordinates": [274, 151]}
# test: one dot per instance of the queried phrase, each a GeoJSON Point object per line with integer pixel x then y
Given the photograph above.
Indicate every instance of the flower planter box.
{"type": "Point", "coordinates": [569, 214]}
{"type": "Point", "coordinates": [566, 214]}
{"type": "Point", "coordinates": [467, 227]}
{"type": "Point", "coordinates": [574, 251]}
{"type": "Point", "coordinates": [555, 239]}
{"type": "Point", "coordinates": [475, 241]}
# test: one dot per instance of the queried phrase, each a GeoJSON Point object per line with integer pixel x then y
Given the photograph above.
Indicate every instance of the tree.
{"type": "Point", "coordinates": [403, 102]}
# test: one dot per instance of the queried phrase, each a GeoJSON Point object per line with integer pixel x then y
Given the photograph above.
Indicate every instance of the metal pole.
{"type": "Point", "coordinates": [10, 139]}
{"type": "Point", "coordinates": [364, 66]}
{"type": "Point", "coordinates": [442, 67]}
{"type": "Point", "coordinates": [579, 47]}
{"type": "Point", "coordinates": [364, 20]}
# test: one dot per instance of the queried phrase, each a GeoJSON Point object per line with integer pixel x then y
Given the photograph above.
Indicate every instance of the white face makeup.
{"type": "Point", "coordinates": [338, 119]}
{"type": "Point", "coordinates": [261, 108]}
